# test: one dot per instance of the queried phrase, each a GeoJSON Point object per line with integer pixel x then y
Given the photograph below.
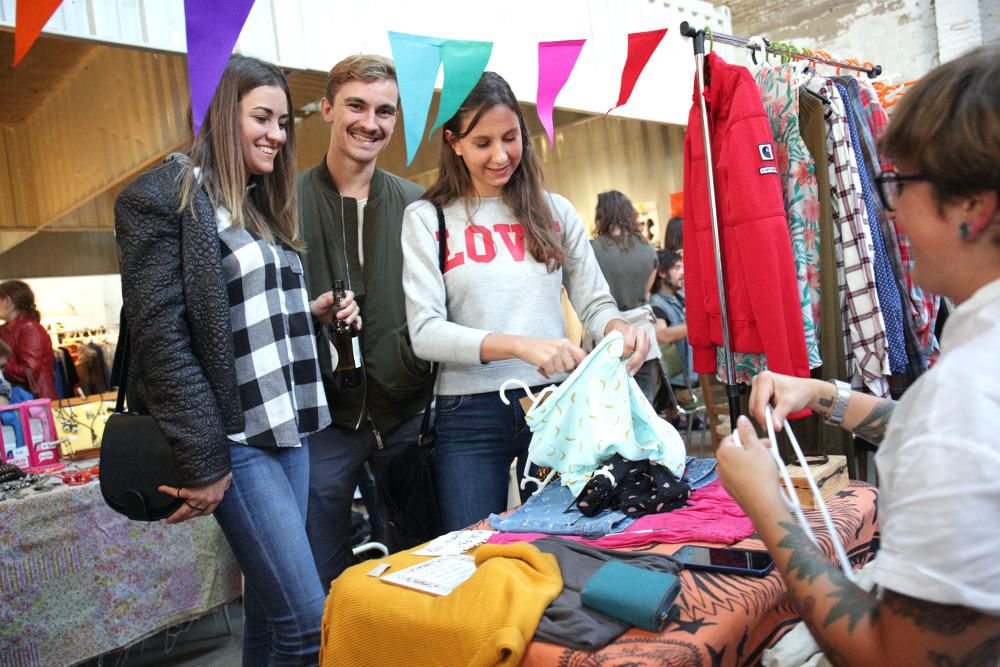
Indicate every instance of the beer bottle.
{"type": "Point", "coordinates": [347, 342]}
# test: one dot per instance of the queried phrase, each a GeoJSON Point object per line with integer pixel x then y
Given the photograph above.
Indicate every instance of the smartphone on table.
{"type": "Point", "coordinates": [732, 561]}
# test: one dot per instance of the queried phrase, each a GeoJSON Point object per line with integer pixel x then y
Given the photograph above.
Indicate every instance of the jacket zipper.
{"type": "Point", "coordinates": [378, 436]}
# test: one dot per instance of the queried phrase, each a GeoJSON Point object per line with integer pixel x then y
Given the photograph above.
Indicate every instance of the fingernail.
{"type": "Point", "coordinates": [742, 420]}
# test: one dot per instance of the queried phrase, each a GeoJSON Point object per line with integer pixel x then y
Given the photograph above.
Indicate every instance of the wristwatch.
{"type": "Point", "coordinates": [839, 403]}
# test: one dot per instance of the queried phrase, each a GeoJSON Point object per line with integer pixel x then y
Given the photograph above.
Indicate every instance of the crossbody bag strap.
{"type": "Point", "coordinates": [119, 367]}
{"type": "Point", "coordinates": [425, 425]}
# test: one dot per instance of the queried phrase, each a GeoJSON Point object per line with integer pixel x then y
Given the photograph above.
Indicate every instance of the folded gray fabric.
{"type": "Point", "coordinates": [566, 621]}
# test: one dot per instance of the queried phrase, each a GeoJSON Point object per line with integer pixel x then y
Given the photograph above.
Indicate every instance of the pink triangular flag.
{"type": "Point", "coordinates": [640, 48]}
{"type": "Point", "coordinates": [555, 63]}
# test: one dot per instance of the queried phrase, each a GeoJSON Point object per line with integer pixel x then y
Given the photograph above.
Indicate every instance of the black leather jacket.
{"type": "Point", "coordinates": [182, 367]}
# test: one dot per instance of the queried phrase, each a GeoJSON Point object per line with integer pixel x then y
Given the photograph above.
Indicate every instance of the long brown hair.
{"type": "Point", "coordinates": [616, 212]}
{"type": "Point", "coordinates": [524, 191]}
{"type": "Point", "coordinates": [21, 297]}
{"type": "Point", "coordinates": [264, 204]}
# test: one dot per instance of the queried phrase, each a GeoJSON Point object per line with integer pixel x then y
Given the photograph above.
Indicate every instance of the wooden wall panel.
{"type": "Point", "coordinates": [7, 218]}
{"type": "Point", "coordinates": [61, 254]}
{"type": "Point", "coordinates": [121, 111]}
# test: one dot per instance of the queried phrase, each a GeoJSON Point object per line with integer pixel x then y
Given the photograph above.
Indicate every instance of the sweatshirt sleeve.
{"type": "Point", "coordinates": [588, 290]}
{"type": "Point", "coordinates": [434, 337]}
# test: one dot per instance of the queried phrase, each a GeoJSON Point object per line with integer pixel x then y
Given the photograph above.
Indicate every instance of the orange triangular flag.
{"type": "Point", "coordinates": [32, 15]}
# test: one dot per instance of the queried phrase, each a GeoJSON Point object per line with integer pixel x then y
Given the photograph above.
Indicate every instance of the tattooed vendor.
{"type": "Point", "coordinates": [937, 600]}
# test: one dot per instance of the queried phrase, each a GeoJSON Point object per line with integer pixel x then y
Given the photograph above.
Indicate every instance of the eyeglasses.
{"type": "Point", "coordinates": [890, 186]}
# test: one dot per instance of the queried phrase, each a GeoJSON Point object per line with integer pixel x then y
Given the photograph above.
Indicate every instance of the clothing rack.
{"type": "Point", "coordinates": [687, 30]}
{"type": "Point", "coordinates": [698, 42]}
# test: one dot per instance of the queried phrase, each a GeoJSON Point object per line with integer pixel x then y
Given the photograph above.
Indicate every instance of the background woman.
{"type": "Point", "coordinates": [938, 456]}
{"type": "Point", "coordinates": [30, 345]}
{"type": "Point", "coordinates": [628, 262]}
{"type": "Point", "coordinates": [496, 313]}
{"type": "Point", "coordinates": [223, 353]}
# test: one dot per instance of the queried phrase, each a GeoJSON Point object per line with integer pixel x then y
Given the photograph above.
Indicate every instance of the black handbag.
{"type": "Point", "coordinates": [135, 456]}
{"type": "Point", "coordinates": [406, 483]}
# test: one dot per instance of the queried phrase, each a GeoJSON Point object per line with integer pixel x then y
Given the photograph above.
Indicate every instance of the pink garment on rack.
{"type": "Point", "coordinates": [711, 516]}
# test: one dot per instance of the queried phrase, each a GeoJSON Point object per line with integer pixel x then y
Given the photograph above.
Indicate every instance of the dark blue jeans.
{"type": "Point", "coordinates": [477, 439]}
{"type": "Point", "coordinates": [336, 456]}
{"type": "Point", "coordinates": [263, 516]}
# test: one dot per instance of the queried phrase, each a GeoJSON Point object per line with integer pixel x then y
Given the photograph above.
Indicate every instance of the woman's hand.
{"type": "Point", "coordinates": [323, 309]}
{"type": "Point", "coordinates": [550, 355]}
{"type": "Point", "coordinates": [636, 344]}
{"type": "Point", "coordinates": [788, 394]}
{"type": "Point", "coordinates": [198, 500]}
{"type": "Point", "coordinates": [749, 473]}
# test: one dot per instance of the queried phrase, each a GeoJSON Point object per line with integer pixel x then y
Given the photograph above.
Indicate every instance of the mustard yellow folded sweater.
{"type": "Point", "coordinates": [488, 620]}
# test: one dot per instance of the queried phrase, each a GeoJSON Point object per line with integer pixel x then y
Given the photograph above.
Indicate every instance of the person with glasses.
{"type": "Point", "coordinates": [938, 577]}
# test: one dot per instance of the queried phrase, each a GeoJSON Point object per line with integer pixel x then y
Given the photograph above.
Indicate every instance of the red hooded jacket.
{"type": "Point", "coordinates": [761, 289]}
{"type": "Point", "coordinates": [31, 348]}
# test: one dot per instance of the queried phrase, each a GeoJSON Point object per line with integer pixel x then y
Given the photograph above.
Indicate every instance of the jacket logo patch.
{"type": "Point", "coordinates": [769, 170]}
{"type": "Point", "coordinates": [766, 152]}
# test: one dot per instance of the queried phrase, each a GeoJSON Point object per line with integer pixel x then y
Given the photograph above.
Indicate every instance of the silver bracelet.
{"type": "Point", "coordinates": [839, 403]}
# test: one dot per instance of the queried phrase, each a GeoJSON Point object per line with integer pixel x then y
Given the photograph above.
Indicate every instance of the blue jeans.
{"type": "Point", "coordinates": [477, 439]}
{"type": "Point", "coordinates": [336, 456]}
{"type": "Point", "coordinates": [263, 516]}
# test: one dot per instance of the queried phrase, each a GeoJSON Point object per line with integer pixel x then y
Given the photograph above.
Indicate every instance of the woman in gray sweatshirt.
{"type": "Point", "coordinates": [496, 312]}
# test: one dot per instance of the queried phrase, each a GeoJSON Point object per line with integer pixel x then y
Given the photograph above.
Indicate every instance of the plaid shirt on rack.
{"type": "Point", "coordinates": [925, 305]}
{"type": "Point", "coordinates": [279, 382]}
{"type": "Point", "coordinates": [868, 357]}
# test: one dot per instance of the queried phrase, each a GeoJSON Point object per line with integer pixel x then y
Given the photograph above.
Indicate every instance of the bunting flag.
{"type": "Point", "coordinates": [640, 48]}
{"type": "Point", "coordinates": [30, 17]}
{"type": "Point", "coordinates": [417, 62]}
{"type": "Point", "coordinates": [213, 26]}
{"type": "Point", "coordinates": [464, 63]}
{"type": "Point", "coordinates": [555, 63]}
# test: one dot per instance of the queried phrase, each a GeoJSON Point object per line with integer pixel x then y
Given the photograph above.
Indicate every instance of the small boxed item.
{"type": "Point", "coordinates": [14, 445]}
{"type": "Point", "coordinates": [831, 478]}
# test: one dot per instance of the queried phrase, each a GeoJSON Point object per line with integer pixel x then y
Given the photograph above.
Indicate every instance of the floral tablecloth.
{"type": "Point", "coordinates": [78, 580]}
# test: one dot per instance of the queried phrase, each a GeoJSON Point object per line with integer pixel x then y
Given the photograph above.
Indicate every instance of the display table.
{"type": "Point", "coordinates": [723, 619]}
{"type": "Point", "coordinates": [78, 580]}
{"type": "Point", "coordinates": [726, 619]}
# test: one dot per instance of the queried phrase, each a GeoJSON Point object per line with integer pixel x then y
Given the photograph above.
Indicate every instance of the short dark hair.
{"type": "Point", "coordinates": [947, 126]}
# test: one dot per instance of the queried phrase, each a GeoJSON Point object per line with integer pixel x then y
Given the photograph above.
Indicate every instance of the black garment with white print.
{"type": "Point", "coordinates": [279, 382]}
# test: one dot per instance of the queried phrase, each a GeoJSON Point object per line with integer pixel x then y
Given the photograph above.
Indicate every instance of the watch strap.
{"type": "Point", "coordinates": [839, 403]}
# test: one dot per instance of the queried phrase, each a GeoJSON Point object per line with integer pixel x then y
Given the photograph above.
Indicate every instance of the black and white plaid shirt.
{"type": "Point", "coordinates": [280, 387]}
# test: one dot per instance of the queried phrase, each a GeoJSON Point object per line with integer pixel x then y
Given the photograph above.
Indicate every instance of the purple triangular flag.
{"type": "Point", "coordinates": [555, 64]}
{"type": "Point", "coordinates": [213, 26]}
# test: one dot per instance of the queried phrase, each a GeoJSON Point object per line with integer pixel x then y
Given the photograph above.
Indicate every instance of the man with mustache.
{"type": "Point", "coordinates": [350, 214]}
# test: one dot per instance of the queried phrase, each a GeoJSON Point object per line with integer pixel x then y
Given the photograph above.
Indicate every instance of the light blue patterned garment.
{"type": "Point", "coordinates": [552, 510]}
{"type": "Point", "coordinates": [599, 411]}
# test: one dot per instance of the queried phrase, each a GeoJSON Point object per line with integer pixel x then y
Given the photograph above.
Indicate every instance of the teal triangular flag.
{"type": "Point", "coordinates": [464, 63]}
{"type": "Point", "coordinates": [417, 62]}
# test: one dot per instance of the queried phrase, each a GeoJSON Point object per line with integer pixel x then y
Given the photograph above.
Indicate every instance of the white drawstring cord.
{"type": "Point", "coordinates": [791, 498]}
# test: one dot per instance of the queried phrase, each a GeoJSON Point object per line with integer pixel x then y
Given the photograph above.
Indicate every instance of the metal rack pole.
{"type": "Point", "coordinates": [688, 31]}
{"type": "Point", "coordinates": [732, 389]}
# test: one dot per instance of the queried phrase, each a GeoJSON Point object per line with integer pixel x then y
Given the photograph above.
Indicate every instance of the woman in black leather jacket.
{"type": "Point", "coordinates": [224, 353]}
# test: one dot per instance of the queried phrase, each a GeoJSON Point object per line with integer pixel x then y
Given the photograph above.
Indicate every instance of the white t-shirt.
{"type": "Point", "coordinates": [939, 470]}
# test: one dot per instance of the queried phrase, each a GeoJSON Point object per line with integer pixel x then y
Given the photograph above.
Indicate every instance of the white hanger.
{"type": "Point", "coordinates": [535, 400]}
{"type": "Point", "coordinates": [791, 498]}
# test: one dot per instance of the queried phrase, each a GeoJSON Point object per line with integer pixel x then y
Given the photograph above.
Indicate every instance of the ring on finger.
{"type": "Point", "coordinates": [195, 507]}
{"type": "Point", "coordinates": [179, 493]}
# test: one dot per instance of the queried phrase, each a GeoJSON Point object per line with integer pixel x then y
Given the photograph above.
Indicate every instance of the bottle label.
{"type": "Point", "coordinates": [356, 345]}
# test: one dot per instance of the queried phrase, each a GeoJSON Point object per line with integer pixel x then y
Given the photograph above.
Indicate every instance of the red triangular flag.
{"type": "Point", "coordinates": [640, 48]}
{"type": "Point", "coordinates": [31, 17]}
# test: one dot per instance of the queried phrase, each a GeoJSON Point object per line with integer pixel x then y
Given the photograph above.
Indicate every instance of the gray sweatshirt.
{"type": "Point", "coordinates": [493, 285]}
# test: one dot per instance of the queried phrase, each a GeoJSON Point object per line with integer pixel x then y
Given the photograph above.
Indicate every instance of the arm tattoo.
{"type": "Point", "coordinates": [827, 405]}
{"type": "Point", "coordinates": [984, 655]}
{"type": "Point", "coordinates": [942, 619]}
{"type": "Point", "coordinates": [872, 428]}
{"type": "Point", "coordinates": [807, 562]}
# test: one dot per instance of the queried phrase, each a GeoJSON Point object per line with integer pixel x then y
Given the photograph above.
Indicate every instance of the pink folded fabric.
{"type": "Point", "coordinates": [711, 516]}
